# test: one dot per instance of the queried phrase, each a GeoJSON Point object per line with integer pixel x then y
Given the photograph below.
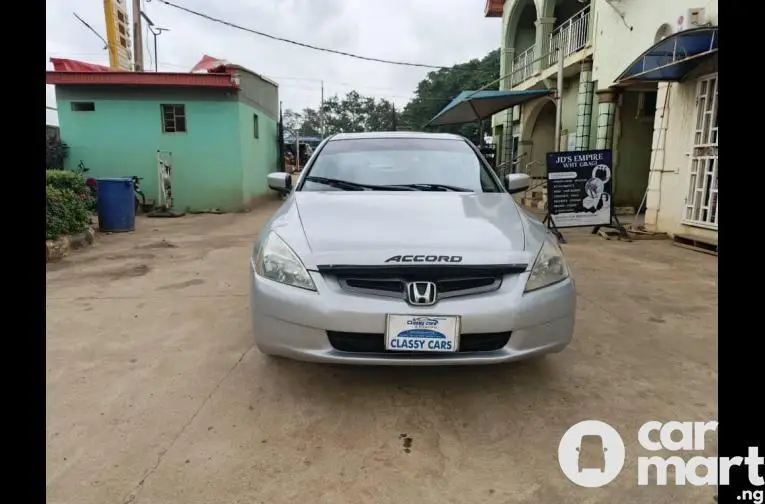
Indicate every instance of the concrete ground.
{"type": "Point", "coordinates": [155, 393]}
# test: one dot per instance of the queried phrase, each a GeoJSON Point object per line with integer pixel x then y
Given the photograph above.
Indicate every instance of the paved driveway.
{"type": "Point", "coordinates": [155, 393]}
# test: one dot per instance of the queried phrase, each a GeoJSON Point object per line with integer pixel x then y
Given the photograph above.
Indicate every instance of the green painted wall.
{"type": "Point", "coordinates": [259, 155]}
{"type": "Point", "coordinates": [121, 137]}
{"type": "Point", "coordinates": [633, 153]}
{"type": "Point", "coordinates": [594, 118]}
{"type": "Point", "coordinates": [570, 107]}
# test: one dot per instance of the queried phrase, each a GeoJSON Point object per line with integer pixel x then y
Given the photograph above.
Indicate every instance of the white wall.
{"type": "Point", "coordinates": [616, 46]}
{"type": "Point", "coordinates": [670, 170]}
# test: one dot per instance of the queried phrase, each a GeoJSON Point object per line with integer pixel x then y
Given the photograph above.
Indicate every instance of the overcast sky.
{"type": "Point", "coordinates": [437, 32]}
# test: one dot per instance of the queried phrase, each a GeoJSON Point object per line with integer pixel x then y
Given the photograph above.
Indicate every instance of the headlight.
{"type": "Point", "coordinates": [549, 267]}
{"type": "Point", "coordinates": [276, 261]}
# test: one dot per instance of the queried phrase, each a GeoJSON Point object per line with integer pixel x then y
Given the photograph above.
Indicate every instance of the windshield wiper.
{"type": "Point", "coordinates": [353, 186]}
{"type": "Point", "coordinates": [435, 187]}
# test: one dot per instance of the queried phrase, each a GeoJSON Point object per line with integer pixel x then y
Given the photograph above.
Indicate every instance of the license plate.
{"type": "Point", "coordinates": [415, 333]}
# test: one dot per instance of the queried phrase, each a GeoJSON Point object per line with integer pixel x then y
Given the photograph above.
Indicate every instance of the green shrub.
{"type": "Point", "coordinates": [71, 181]}
{"type": "Point", "coordinates": [64, 179]}
{"type": "Point", "coordinates": [68, 204]}
{"type": "Point", "coordinates": [56, 152]}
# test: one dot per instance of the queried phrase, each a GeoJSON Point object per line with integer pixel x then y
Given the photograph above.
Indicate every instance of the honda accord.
{"type": "Point", "coordinates": [434, 264]}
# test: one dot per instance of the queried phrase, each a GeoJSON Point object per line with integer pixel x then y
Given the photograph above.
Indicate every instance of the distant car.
{"type": "Point", "coordinates": [434, 264]}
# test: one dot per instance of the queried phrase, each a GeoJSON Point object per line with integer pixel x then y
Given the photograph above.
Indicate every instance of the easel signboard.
{"type": "Point", "coordinates": [579, 191]}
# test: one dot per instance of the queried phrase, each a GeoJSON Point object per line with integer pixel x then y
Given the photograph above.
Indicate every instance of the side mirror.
{"type": "Point", "coordinates": [517, 182]}
{"type": "Point", "coordinates": [280, 182]}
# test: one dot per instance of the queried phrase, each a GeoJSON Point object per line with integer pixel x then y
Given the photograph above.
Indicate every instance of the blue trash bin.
{"type": "Point", "coordinates": [115, 203]}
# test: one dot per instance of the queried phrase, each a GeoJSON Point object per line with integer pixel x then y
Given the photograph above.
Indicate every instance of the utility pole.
{"type": "Point", "coordinates": [156, 31]}
{"type": "Point", "coordinates": [297, 149]}
{"type": "Point", "coordinates": [321, 112]}
{"type": "Point", "coordinates": [282, 168]}
{"type": "Point", "coordinates": [393, 108]}
{"type": "Point", "coordinates": [559, 100]}
{"type": "Point", "coordinates": [137, 37]}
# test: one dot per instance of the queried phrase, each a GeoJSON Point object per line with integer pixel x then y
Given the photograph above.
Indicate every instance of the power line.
{"type": "Point", "coordinates": [106, 44]}
{"type": "Point", "coordinates": [300, 44]}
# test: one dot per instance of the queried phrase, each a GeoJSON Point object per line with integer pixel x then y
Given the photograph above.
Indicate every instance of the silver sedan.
{"type": "Point", "coordinates": [433, 264]}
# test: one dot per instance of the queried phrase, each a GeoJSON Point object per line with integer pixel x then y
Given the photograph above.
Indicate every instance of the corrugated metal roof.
{"type": "Point", "coordinates": [493, 8]}
{"type": "Point", "coordinates": [140, 79]}
{"type": "Point", "coordinates": [68, 65]}
{"type": "Point", "coordinates": [72, 73]}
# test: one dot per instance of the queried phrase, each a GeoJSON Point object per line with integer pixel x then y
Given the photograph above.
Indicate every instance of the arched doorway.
{"type": "Point", "coordinates": [663, 32]}
{"type": "Point", "coordinates": [520, 37]}
{"type": "Point", "coordinates": [541, 127]}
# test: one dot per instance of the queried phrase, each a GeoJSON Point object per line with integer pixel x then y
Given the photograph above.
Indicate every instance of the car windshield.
{"type": "Point", "coordinates": [426, 164]}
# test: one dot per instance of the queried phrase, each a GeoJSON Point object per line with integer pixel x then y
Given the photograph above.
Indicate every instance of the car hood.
{"type": "Point", "coordinates": [366, 228]}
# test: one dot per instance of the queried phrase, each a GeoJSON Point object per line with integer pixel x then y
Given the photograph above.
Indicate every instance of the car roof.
{"type": "Point", "coordinates": [395, 134]}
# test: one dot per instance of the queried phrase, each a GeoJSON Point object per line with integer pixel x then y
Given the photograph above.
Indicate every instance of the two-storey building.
{"type": "Point", "coordinates": [639, 78]}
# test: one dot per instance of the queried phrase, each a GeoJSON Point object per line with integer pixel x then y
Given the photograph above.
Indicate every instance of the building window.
{"type": "Point", "coordinates": [83, 106]}
{"type": "Point", "coordinates": [255, 125]}
{"type": "Point", "coordinates": [173, 118]}
{"type": "Point", "coordinates": [701, 199]}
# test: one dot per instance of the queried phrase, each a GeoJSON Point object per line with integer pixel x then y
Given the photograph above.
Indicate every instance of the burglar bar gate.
{"type": "Point", "coordinates": [701, 201]}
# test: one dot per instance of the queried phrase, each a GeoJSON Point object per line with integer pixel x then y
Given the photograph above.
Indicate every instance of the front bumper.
{"type": "Point", "coordinates": [293, 322]}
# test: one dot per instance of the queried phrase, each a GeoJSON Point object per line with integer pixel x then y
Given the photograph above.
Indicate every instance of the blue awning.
{"type": "Point", "coordinates": [671, 59]}
{"type": "Point", "coordinates": [472, 106]}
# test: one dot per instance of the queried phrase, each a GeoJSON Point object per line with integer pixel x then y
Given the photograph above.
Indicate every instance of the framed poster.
{"type": "Point", "coordinates": [579, 188]}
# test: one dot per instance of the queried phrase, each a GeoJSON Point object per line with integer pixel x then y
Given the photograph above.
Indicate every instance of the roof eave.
{"type": "Point", "coordinates": [493, 8]}
{"type": "Point", "coordinates": [221, 81]}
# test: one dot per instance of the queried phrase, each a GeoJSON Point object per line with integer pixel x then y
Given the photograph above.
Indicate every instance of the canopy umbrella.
{"type": "Point", "coordinates": [473, 106]}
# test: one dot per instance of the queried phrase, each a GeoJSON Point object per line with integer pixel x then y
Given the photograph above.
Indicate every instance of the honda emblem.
{"type": "Point", "coordinates": [421, 293]}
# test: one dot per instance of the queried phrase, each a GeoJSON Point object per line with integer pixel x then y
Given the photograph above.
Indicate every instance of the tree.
{"type": "Point", "coordinates": [311, 123]}
{"type": "Point", "coordinates": [439, 87]}
{"type": "Point", "coordinates": [355, 113]}
{"type": "Point", "coordinates": [292, 121]}
{"type": "Point", "coordinates": [352, 113]}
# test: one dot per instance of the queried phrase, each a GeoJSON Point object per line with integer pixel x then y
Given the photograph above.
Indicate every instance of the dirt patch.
{"type": "Point", "coordinates": [133, 271]}
{"type": "Point", "coordinates": [157, 245]}
{"type": "Point", "coordinates": [120, 257]}
{"type": "Point", "coordinates": [181, 285]}
{"type": "Point", "coordinates": [58, 265]}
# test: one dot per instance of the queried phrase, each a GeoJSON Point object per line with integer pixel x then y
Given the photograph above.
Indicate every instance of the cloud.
{"type": "Point", "coordinates": [436, 32]}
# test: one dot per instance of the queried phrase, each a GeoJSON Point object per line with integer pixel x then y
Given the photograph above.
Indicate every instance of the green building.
{"type": "Point", "coordinates": [217, 129]}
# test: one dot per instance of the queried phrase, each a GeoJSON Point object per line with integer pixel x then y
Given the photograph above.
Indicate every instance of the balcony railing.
{"type": "Point", "coordinates": [523, 66]}
{"type": "Point", "coordinates": [571, 36]}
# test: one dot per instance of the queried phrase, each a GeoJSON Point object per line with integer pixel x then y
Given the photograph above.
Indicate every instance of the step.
{"type": "Point", "coordinates": [705, 245]}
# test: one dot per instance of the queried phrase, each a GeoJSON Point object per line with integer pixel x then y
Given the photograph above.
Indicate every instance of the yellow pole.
{"type": "Point", "coordinates": [111, 34]}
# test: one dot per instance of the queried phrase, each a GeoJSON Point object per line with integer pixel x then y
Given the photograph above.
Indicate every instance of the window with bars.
{"type": "Point", "coordinates": [701, 205]}
{"type": "Point", "coordinates": [173, 118]}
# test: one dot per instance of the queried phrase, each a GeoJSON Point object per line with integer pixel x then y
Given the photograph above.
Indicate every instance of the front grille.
{"type": "Point", "coordinates": [454, 285]}
{"type": "Point", "coordinates": [371, 284]}
{"type": "Point", "coordinates": [370, 343]}
{"type": "Point", "coordinates": [396, 287]}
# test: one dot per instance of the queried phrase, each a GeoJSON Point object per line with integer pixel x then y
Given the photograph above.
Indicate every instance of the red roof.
{"type": "Point", "coordinates": [67, 65]}
{"type": "Point", "coordinates": [71, 73]}
{"type": "Point", "coordinates": [208, 63]}
{"type": "Point", "coordinates": [493, 8]}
